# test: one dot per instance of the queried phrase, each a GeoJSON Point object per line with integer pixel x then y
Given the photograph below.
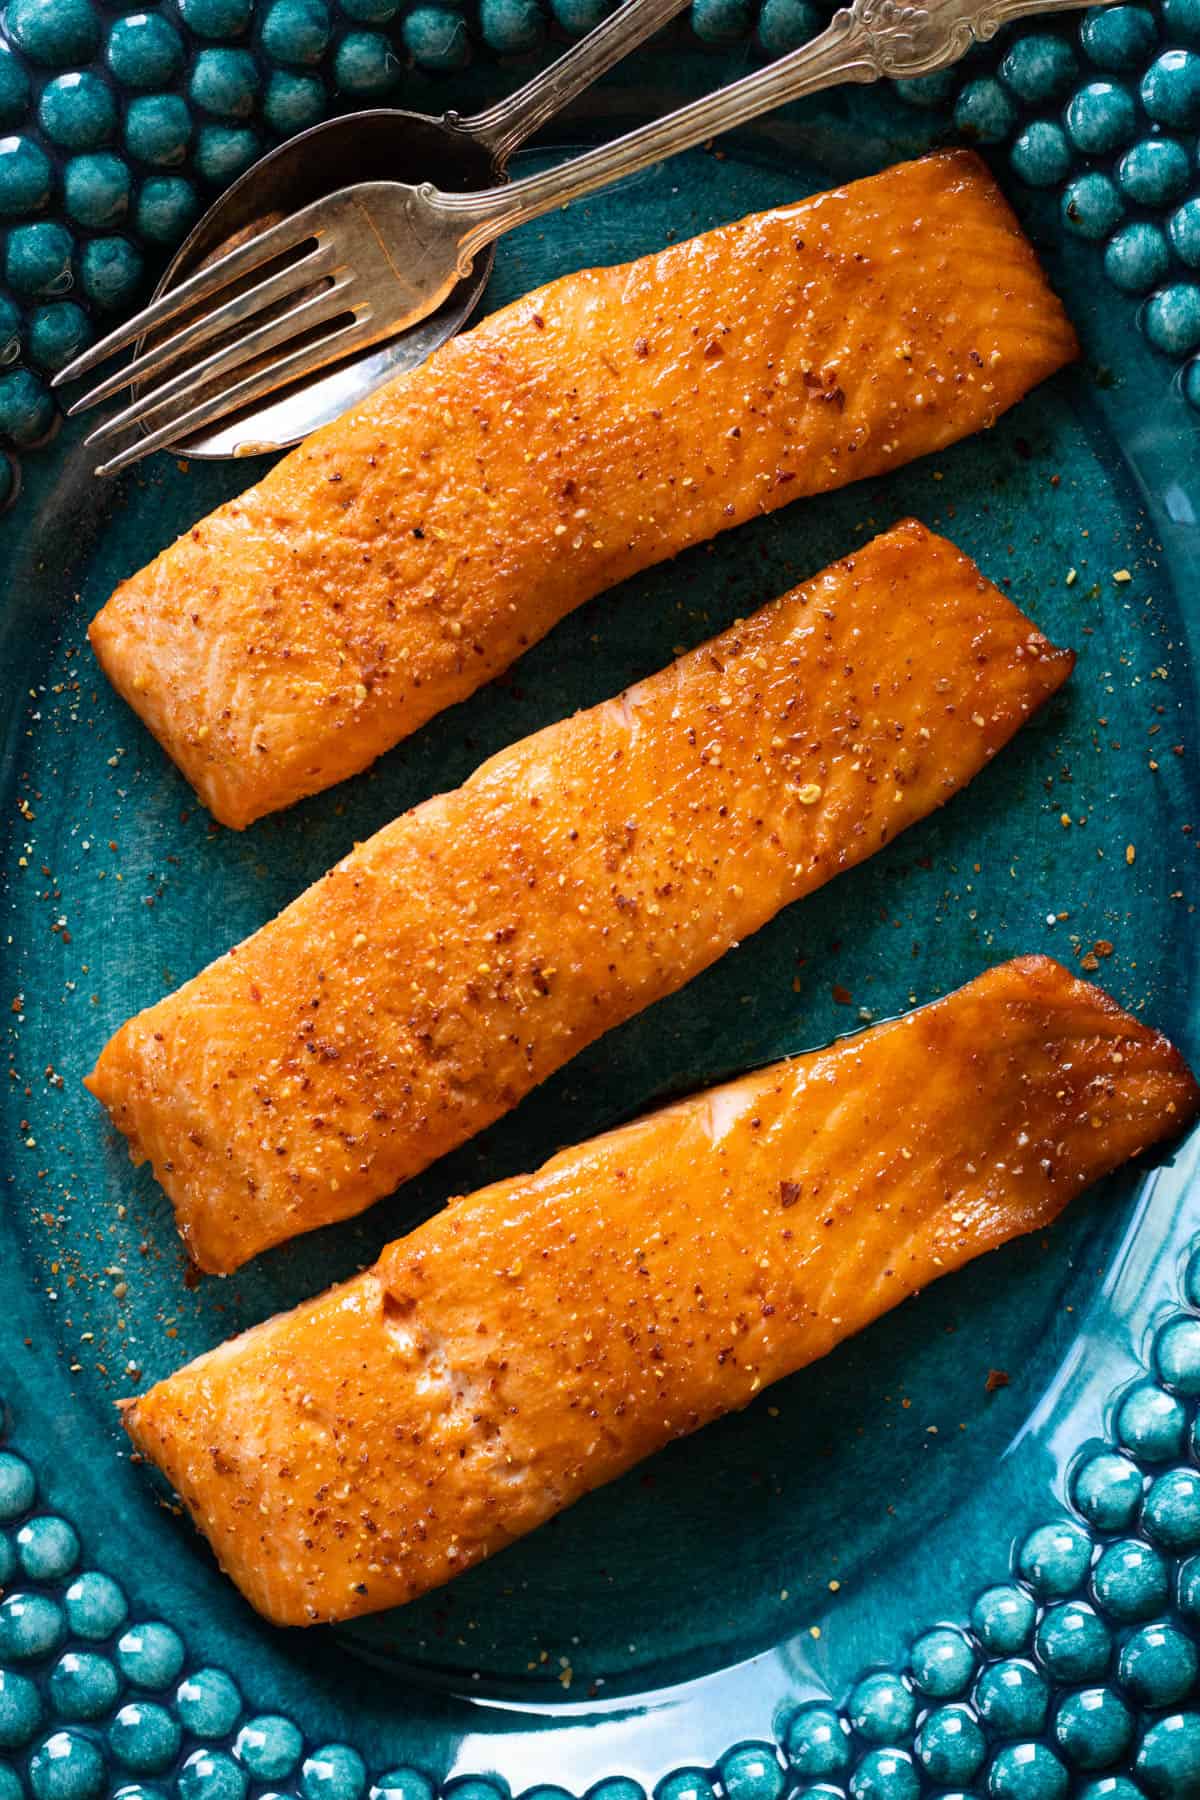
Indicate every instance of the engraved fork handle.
{"type": "Point", "coordinates": [864, 41]}
{"type": "Point", "coordinates": [501, 128]}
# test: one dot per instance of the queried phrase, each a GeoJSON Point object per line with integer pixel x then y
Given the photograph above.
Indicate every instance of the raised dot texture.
{"type": "Point", "coordinates": [1153, 172]}
{"type": "Point", "coordinates": [1111, 1787]}
{"type": "Point", "coordinates": [1117, 37]}
{"type": "Point", "coordinates": [1039, 67]}
{"type": "Point", "coordinates": [150, 1655]}
{"type": "Point", "coordinates": [436, 37]}
{"type": "Point", "coordinates": [110, 272]}
{"type": "Point", "coordinates": [881, 1709]}
{"type": "Point", "coordinates": [1171, 1513]}
{"type": "Point", "coordinates": [55, 33]}
{"type": "Point", "coordinates": [1040, 154]}
{"type": "Point", "coordinates": [1012, 1697]}
{"type": "Point", "coordinates": [166, 207]}
{"type": "Point", "coordinates": [1130, 1580]}
{"type": "Point", "coordinates": [950, 1746]}
{"type": "Point", "coordinates": [942, 1663]}
{"type": "Point", "coordinates": [1091, 205]}
{"type": "Point", "coordinates": [1150, 1423]}
{"type": "Point", "coordinates": [1093, 1727]}
{"type": "Point", "coordinates": [269, 1746]}
{"type": "Point", "coordinates": [334, 1772]}
{"type": "Point", "coordinates": [31, 1625]}
{"type": "Point", "coordinates": [224, 82]}
{"type": "Point", "coordinates": [685, 1784]}
{"type": "Point", "coordinates": [984, 112]}
{"type": "Point", "coordinates": [1054, 1558]}
{"type": "Point", "coordinates": [751, 1772]}
{"type": "Point", "coordinates": [158, 129]}
{"type": "Point", "coordinates": [1073, 1642]}
{"type": "Point", "coordinates": [784, 25]}
{"type": "Point", "coordinates": [1177, 1347]}
{"type": "Point", "coordinates": [20, 1709]}
{"type": "Point", "coordinates": [144, 1737]}
{"type": "Point", "coordinates": [365, 65]}
{"type": "Point", "coordinates": [208, 1703]}
{"type": "Point", "coordinates": [1003, 1617]}
{"type": "Point", "coordinates": [15, 88]}
{"type": "Point", "coordinates": [1158, 1664]}
{"type": "Point", "coordinates": [77, 111]}
{"type": "Point", "coordinates": [58, 332]}
{"type": "Point", "coordinates": [296, 31]}
{"type": "Point", "coordinates": [1169, 1758]}
{"type": "Point", "coordinates": [25, 176]}
{"type": "Point", "coordinates": [83, 1685]}
{"type": "Point", "coordinates": [293, 102]}
{"type": "Point", "coordinates": [47, 1548]}
{"type": "Point", "coordinates": [885, 1774]}
{"type": "Point", "coordinates": [1027, 1772]}
{"type": "Point", "coordinates": [1172, 318]}
{"type": "Point", "coordinates": [95, 1605]}
{"type": "Point", "coordinates": [410, 1784]}
{"type": "Point", "coordinates": [1107, 1490]}
{"type": "Point", "coordinates": [144, 50]}
{"type": "Point", "coordinates": [96, 189]}
{"type": "Point", "coordinates": [1100, 117]}
{"type": "Point", "coordinates": [1137, 257]}
{"type": "Point", "coordinates": [18, 1489]}
{"type": "Point", "coordinates": [817, 1743]}
{"type": "Point", "coordinates": [66, 1766]}
{"type": "Point", "coordinates": [217, 18]}
{"type": "Point", "coordinates": [1170, 93]}
{"type": "Point", "coordinates": [210, 1775]}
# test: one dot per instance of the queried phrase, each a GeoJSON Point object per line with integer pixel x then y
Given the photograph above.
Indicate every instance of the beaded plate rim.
{"type": "Point", "coordinates": [1021, 1697]}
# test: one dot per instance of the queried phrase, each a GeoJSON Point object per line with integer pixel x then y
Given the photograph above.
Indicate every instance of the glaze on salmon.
{"type": "Point", "coordinates": [465, 952]}
{"type": "Point", "coordinates": [539, 1337]}
{"type": "Point", "coordinates": [408, 552]}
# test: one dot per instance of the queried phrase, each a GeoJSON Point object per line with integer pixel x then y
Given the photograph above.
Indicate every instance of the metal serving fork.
{"type": "Point", "coordinates": [372, 260]}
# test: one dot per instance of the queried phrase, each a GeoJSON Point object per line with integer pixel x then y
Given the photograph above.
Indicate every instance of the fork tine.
{"type": "Point", "coordinates": [238, 311]}
{"type": "Point", "coordinates": [289, 234]}
{"type": "Point", "coordinates": [289, 367]}
{"type": "Point", "coordinates": [318, 309]}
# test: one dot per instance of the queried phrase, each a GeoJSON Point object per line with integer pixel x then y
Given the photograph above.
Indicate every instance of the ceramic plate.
{"type": "Point", "coordinates": [698, 1615]}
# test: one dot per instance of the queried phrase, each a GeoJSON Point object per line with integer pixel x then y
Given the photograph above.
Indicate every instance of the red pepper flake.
{"type": "Point", "coordinates": [996, 1378]}
{"type": "Point", "coordinates": [539, 322]}
{"type": "Point", "coordinates": [843, 996]}
{"type": "Point", "coordinates": [789, 1193]}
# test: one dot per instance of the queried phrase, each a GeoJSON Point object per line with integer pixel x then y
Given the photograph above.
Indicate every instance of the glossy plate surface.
{"type": "Point", "coordinates": [770, 1559]}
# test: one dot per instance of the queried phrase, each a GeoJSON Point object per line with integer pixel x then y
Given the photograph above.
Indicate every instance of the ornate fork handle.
{"type": "Point", "coordinates": [864, 41]}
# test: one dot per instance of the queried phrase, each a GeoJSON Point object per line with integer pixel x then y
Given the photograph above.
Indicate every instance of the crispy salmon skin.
{"type": "Point", "coordinates": [465, 952]}
{"type": "Point", "coordinates": [408, 552]}
{"type": "Point", "coordinates": [539, 1337]}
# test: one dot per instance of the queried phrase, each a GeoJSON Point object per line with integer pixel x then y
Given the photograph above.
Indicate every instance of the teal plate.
{"type": "Point", "coordinates": [956, 1555]}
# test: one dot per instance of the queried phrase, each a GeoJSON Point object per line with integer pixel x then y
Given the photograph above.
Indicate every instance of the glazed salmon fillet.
{"type": "Point", "coordinates": [539, 1337]}
{"type": "Point", "coordinates": [408, 552]}
{"type": "Point", "coordinates": [466, 951]}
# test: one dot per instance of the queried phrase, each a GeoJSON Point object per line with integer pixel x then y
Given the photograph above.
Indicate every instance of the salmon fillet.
{"type": "Point", "coordinates": [408, 552]}
{"type": "Point", "coordinates": [539, 1337]}
{"type": "Point", "coordinates": [466, 951]}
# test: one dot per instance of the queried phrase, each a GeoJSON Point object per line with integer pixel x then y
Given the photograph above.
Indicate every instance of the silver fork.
{"type": "Point", "coordinates": [371, 260]}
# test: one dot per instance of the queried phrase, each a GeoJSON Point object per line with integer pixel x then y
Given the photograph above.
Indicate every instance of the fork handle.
{"type": "Point", "coordinates": [839, 53]}
{"type": "Point", "coordinates": [864, 41]}
{"type": "Point", "coordinates": [505, 126]}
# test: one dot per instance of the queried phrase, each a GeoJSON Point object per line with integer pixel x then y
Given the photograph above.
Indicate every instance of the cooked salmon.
{"type": "Point", "coordinates": [408, 552]}
{"type": "Point", "coordinates": [466, 951]}
{"type": "Point", "coordinates": [539, 1337]}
